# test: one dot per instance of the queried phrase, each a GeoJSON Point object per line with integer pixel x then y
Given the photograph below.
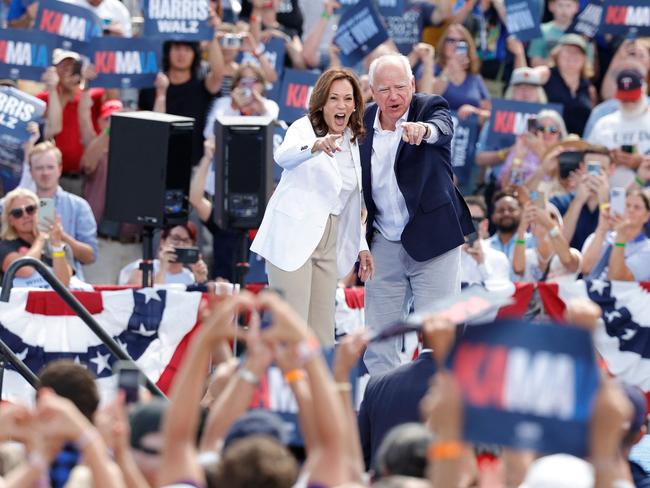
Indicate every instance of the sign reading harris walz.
{"type": "Point", "coordinates": [621, 15]}
{"type": "Point", "coordinates": [177, 19]}
{"type": "Point", "coordinates": [125, 63]}
{"type": "Point", "coordinates": [25, 54]}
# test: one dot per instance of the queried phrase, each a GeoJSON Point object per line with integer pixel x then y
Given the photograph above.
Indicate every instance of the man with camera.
{"type": "Point", "coordinates": [62, 97]}
{"type": "Point", "coordinates": [580, 208]}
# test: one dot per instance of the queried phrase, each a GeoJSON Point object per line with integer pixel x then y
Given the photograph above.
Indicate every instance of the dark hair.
{"type": "Point", "coordinates": [259, 74]}
{"type": "Point", "coordinates": [196, 62]}
{"type": "Point", "coordinates": [74, 382]}
{"type": "Point", "coordinates": [479, 201]}
{"type": "Point", "coordinates": [319, 96]}
{"type": "Point", "coordinates": [638, 192]}
{"type": "Point", "coordinates": [188, 226]}
{"type": "Point", "coordinates": [502, 194]}
{"type": "Point", "coordinates": [257, 461]}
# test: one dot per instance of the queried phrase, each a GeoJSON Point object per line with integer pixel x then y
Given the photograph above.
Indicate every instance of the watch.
{"type": "Point", "coordinates": [427, 130]}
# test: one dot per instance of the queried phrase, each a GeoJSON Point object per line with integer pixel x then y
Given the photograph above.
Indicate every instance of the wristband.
{"type": "Point", "coordinates": [619, 244]}
{"type": "Point", "coordinates": [440, 451]}
{"type": "Point", "coordinates": [343, 387]}
{"type": "Point", "coordinates": [501, 154]}
{"type": "Point", "coordinates": [86, 438]}
{"type": "Point", "coordinates": [58, 248]}
{"type": "Point", "coordinates": [58, 254]}
{"type": "Point", "coordinates": [520, 242]}
{"type": "Point", "coordinates": [554, 232]}
{"type": "Point", "coordinates": [308, 348]}
{"type": "Point", "coordinates": [294, 375]}
{"type": "Point", "coordinates": [248, 376]}
{"type": "Point", "coordinates": [639, 181]}
{"type": "Point", "coordinates": [325, 15]}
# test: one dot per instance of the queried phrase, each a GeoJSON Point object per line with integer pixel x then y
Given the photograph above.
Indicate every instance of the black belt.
{"type": "Point", "coordinates": [133, 239]}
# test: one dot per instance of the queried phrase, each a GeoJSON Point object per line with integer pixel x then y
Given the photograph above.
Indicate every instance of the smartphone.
{"type": "Point", "coordinates": [232, 41]}
{"type": "Point", "coordinates": [461, 48]}
{"type": "Point", "coordinates": [517, 176]}
{"type": "Point", "coordinates": [532, 124]}
{"type": "Point", "coordinates": [129, 379]}
{"type": "Point", "coordinates": [76, 67]}
{"type": "Point", "coordinates": [187, 255]}
{"type": "Point", "coordinates": [472, 238]}
{"type": "Point", "coordinates": [569, 161]}
{"type": "Point", "coordinates": [46, 214]}
{"type": "Point", "coordinates": [539, 199]}
{"type": "Point", "coordinates": [628, 148]}
{"type": "Point", "coordinates": [593, 168]}
{"type": "Point", "coordinates": [617, 200]}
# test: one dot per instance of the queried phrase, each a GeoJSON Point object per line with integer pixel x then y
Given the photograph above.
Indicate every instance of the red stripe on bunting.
{"type": "Point", "coordinates": [49, 303]}
{"type": "Point", "coordinates": [354, 297]}
{"type": "Point", "coordinates": [523, 294]}
{"type": "Point", "coordinates": [553, 304]}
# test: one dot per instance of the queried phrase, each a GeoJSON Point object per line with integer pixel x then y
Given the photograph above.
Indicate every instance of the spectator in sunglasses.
{"type": "Point", "coordinates": [22, 237]}
{"type": "Point", "coordinates": [526, 155]}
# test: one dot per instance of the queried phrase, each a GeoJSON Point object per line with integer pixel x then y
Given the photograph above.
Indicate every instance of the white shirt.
{"type": "Point", "coordinates": [556, 273]}
{"type": "Point", "coordinates": [494, 273]}
{"type": "Point", "coordinates": [348, 174]}
{"type": "Point", "coordinates": [392, 214]}
{"type": "Point", "coordinates": [112, 11]}
{"type": "Point", "coordinates": [617, 129]}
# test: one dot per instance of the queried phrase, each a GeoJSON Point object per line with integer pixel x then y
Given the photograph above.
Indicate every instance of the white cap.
{"type": "Point", "coordinates": [60, 54]}
{"type": "Point", "coordinates": [559, 471]}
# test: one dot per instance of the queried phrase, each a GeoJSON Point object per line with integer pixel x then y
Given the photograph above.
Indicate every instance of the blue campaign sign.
{"type": "Point", "coordinates": [621, 15]}
{"type": "Point", "coordinates": [508, 119]}
{"type": "Point", "coordinates": [404, 28]}
{"type": "Point", "coordinates": [185, 20]}
{"type": "Point", "coordinates": [125, 63]}
{"type": "Point", "coordinates": [526, 385]}
{"type": "Point", "coordinates": [295, 92]}
{"type": "Point", "coordinates": [17, 109]}
{"type": "Point", "coordinates": [74, 25]}
{"type": "Point", "coordinates": [522, 20]}
{"type": "Point", "coordinates": [391, 7]}
{"type": "Point", "coordinates": [463, 147]}
{"type": "Point", "coordinates": [360, 30]}
{"type": "Point", "coordinates": [587, 22]}
{"type": "Point", "coordinates": [25, 54]}
{"type": "Point", "coordinates": [274, 51]}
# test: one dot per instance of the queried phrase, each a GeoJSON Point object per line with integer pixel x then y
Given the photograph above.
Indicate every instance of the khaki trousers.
{"type": "Point", "coordinates": [311, 289]}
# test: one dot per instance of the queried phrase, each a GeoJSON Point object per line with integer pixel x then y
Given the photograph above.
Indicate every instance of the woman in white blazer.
{"type": "Point", "coordinates": [311, 233]}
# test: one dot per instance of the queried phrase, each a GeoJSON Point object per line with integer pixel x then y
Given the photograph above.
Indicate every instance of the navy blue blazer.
{"type": "Point", "coordinates": [438, 216]}
{"type": "Point", "coordinates": [392, 399]}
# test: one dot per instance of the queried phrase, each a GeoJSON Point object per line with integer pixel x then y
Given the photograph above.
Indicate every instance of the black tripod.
{"type": "Point", "coordinates": [146, 265]}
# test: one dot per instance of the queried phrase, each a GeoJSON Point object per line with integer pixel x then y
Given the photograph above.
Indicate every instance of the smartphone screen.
{"type": "Point", "coordinates": [593, 168]}
{"type": "Point", "coordinates": [129, 379]}
{"type": "Point", "coordinates": [617, 200]}
{"type": "Point", "coordinates": [46, 214]}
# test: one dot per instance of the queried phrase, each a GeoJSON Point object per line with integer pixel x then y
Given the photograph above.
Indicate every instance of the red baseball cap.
{"type": "Point", "coordinates": [109, 107]}
{"type": "Point", "coordinates": [629, 85]}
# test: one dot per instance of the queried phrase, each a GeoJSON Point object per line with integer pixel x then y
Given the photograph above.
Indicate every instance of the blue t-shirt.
{"type": "Point", "coordinates": [587, 221]}
{"type": "Point", "coordinates": [470, 92]}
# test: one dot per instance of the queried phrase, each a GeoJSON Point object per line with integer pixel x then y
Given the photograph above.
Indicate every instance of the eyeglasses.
{"type": "Point", "coordinates": [179, 240]}
{"type": "Point", "coordinates": [550, 129]}
{"type": "Point", "coordinates": [454, 40]}
{"type": "Point", "coordinates": [17, 213]}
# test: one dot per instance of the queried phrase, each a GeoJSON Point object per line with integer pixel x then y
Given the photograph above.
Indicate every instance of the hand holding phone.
{"type": "Point", "coordinates": [617, 200]}
{"type": "Point", "coordinates": [187, 255]}
{"type": "Point", "coordinates": [46, 214]}
{"type": "Point", "coordinates": [129, 380]}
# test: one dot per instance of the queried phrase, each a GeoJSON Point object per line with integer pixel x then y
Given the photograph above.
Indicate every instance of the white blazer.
{"type": "Point", "coordinates": [308, 192]}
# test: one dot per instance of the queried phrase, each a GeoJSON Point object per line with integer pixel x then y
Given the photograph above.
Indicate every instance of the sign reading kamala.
{"type": "Point", "coordinates": [509, 119]}
{"type": "Point", "coordinates": [25, 54]}
{"type": "Point", "coordinates": [526, 385]}
{"type": "Point", "coordinates": [522, 20]}
{"type": "Point", "coordinates": [177, 19]}
{"type": "Point", "coordinates": [588, 20]}
{"type": "Point", "coordinates": [125, 63]}
{"type": "Point", "coordinates": [17, 109]}
{"type": "Point", "coordinates": [360, 30]}
{"type": "Point", "coordinates": [619, 15]}
{"type": "Point", "coordinates": [297, 86]}
{"type": "Point", "coordinates": [74, 25]}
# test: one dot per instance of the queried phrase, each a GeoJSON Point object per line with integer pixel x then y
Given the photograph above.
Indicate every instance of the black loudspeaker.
{"type": "Point", "coordinates": [149, 168]}
{"type": "Point", "coordinates": [244, 179]}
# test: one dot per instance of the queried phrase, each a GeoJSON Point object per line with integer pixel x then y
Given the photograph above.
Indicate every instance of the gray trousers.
{"type": "Point", "coordinates": [400, 281]}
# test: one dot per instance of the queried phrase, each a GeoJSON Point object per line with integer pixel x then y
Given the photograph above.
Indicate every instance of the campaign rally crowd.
{"type": "Point", "coordinates": [425, 147]}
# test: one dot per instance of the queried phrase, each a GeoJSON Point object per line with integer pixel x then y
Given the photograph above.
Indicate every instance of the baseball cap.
{"type": "Point", "coordinates": [60, 54]}
{"type": "Point", "coordinates": [257, 422]}
{"type": "Point", "coordinates": [146, 419]}
{"type": "Point", "coordinates": [629, 83]}
{"type": "Point", "coordinates": [573, 40]}
{"type": "Point", "coordinates": [109, 107]}
{"type": "Point", "coordinates": [559, 471]}
{"type": "Point", "coordinates": [525, 76]}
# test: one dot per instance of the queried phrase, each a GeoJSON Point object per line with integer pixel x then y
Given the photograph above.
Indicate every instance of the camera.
{"type": "Point", "coordinates": [186, 255]}
{"type": "Point", "coordinates": [531, 124]}
{"type": "Point", "coordinates": [232, 41]}
{"type": "Point", "coordinates": [461, 48]}
{"type": "Point", "coordinates": [569, 161]}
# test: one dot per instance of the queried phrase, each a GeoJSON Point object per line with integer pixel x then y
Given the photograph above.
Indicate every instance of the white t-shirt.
{"type": "Point", "coordinates": [556, 273]}
{"type": "Point", "coordinates": [494, 273]}
{"type": "Point", "coordinates": [110, 11]}
{"type": "Point", "coordinates": [185, 277]}
{"type": "Point", "coordinates": [617, 129]}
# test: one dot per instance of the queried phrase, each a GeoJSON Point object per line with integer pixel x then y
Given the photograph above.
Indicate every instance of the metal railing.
{"type": "Point", "coordinates": [76, 306]}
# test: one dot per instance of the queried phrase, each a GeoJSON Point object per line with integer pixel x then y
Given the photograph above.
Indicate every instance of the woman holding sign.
{"type": "Point", "coordinates": [312, 232]}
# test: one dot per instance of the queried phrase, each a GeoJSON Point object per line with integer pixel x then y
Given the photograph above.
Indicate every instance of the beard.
{"type": "Point", "coordinates": [508, 227]}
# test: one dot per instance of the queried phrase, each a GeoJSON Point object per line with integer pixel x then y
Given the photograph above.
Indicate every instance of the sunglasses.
{"type": "Point", "coordinates": [551, 129]}
{"type": "Point", "coordinates": [17, 213]}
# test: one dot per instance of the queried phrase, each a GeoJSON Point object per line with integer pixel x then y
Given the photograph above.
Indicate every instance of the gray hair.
{"type": "Point", "coordinates": [404, 451]}
{"type": "Point", "coordinates": [555, 117]}
{"type": "Point", "coordinates": [398, 59]}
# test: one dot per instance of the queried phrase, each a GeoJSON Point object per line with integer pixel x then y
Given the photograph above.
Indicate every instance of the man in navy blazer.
{"type": "Point", "coordinates": [392, 399]}
{"type": "Point", "coordinates": [417, 219]}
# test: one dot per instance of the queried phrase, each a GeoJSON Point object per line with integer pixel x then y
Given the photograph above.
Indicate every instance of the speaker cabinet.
{"type": "Point", "coordinates": [244, 170]}
{"type": "Point", "coordinates": [149, 170]}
